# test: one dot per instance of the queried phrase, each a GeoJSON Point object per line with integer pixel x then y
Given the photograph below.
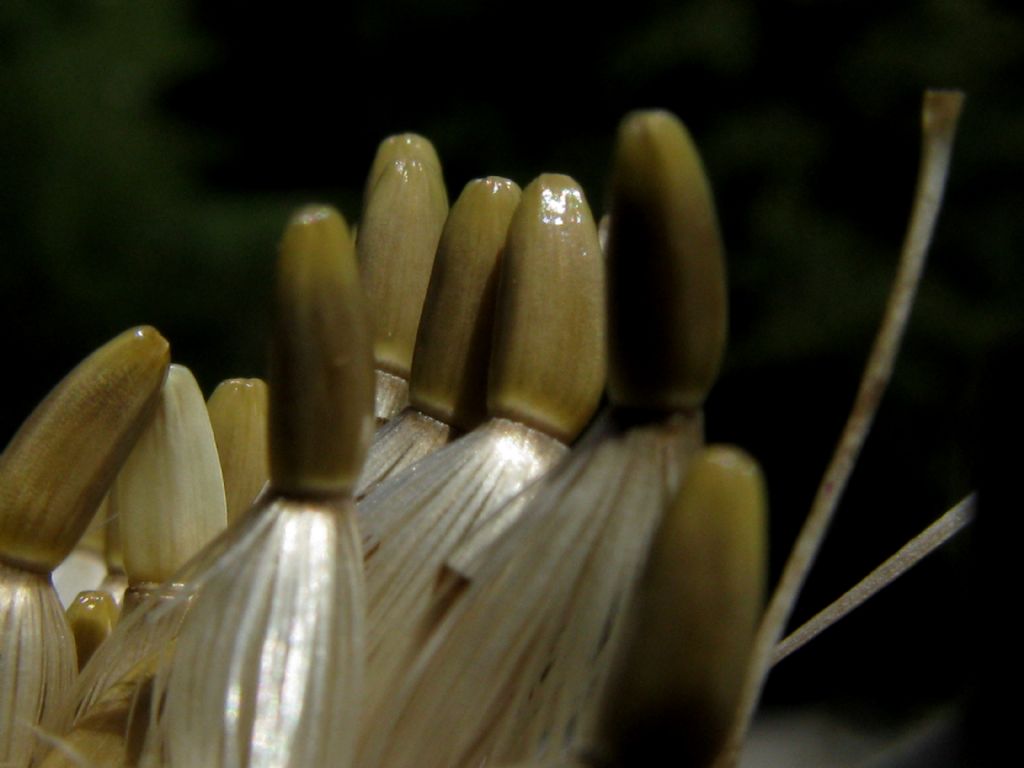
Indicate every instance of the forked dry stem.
{"type": "Point", "coordinates": [931, 538]}
{"type": "Point", "coordinates": [940, 113]}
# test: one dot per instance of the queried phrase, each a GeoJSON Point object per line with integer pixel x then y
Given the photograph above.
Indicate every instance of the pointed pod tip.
{"type": "Point", "coordinates": [179, 378]}
{"type": "Point", "coordinates": [402, 147]}
{"type": "Point", "coordinates": [312, 214]}
{"type": "Point", "coordinates": [142, 343]}
{"type": "Point", "coordinates": [732, 462]}
{"type": "Point", "coordinates": [149, 335]}
{"type": "Point", "coordinates": [496, 185]}
{"type": "Point", "coordinates": [649, 122]}
{"type": "Point", "coordinates": [314, 226]}
{"type": "Point", "coordinates": [240, 388]}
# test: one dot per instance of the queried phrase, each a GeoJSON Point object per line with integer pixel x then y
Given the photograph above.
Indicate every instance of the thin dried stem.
{"type": "Point", "coordinates": [939, 119]}
{"type": "Point", "coordinates": [931, 538]}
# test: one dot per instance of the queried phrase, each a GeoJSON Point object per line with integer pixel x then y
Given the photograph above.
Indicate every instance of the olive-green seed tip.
{"type": "Point", "coordinates": [667, 295]}
{"type": "Point", "coordinates": [453, 343]}
{"type": "Point", "coordinates": [547, 365]}
{"type": "Point", "coordinates": [321, 382]}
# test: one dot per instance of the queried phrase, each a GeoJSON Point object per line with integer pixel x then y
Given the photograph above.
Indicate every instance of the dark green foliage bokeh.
{"type": "Point", "coordinates": [150, 153]}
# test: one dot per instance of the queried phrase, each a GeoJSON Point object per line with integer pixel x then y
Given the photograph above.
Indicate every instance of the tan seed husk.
{"type": "Point", "coordinates": [547, 365]}
{"type": "Point", "coordinates": [453, 344]}
{"type": "Point", "coordinates": [238, 414]}
{"type": "Point", "coordinates": [170, 493]}
{"type": "Point", "coordinates": [398, 237]}
{"type": "Point", "coordinates": [61, 461]}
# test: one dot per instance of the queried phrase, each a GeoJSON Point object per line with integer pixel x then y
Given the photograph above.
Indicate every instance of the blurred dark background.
{"type": "Point", "coordinates": [150, 154]}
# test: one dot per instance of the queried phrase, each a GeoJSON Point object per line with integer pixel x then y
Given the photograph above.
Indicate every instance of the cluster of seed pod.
{"type": "Point", "coordinates": [465, 581]}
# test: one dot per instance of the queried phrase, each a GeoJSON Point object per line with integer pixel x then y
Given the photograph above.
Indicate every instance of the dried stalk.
{"type": "Point", "coordinates": [939, 120]}
{"type": "Point", "coordinates": [910, 554]}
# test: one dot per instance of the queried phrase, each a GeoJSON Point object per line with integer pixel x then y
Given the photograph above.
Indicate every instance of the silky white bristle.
{"type": "Point", "coordinates": [37, 662]}
{"type": "Point", "coordinates": [413, 522]}
{"type": "Point", "coordinates": [523, 652]}
{"type": "Point", "coordinates": [400, 443]}
{"type": "Point", "coordinates": [267, 667]}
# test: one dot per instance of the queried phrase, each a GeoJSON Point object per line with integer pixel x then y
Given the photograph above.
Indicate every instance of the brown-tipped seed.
{"type": "Point", "coordinates": [169, 492]}
{"type": "Point", "coordinates": [453, 345]}
{"type": "Point", "coordinates": [401, 146]}
{"type": "Point", "coordinates": [696, 612]}
{"type": "Point", "coordinates": [321, 370]}
{"type": "Point", "coordinates": [61, 461]}
{"type": "Point", "coordinates": [547, 365]}
{"type": "Point", "coordinates": [238, 414]}
{"type": "Point", "coordinates": [92, 614]}
{"type": "Point", "coordinates": [666, 272]}
{"type": "Point", "coordinates": [398, 236]}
